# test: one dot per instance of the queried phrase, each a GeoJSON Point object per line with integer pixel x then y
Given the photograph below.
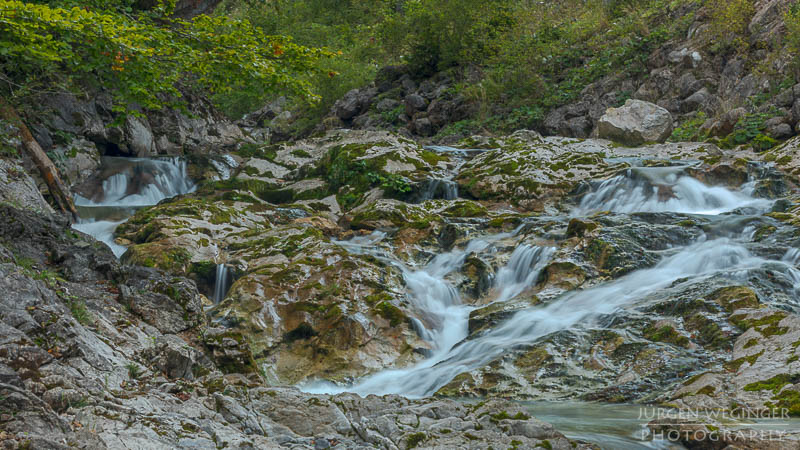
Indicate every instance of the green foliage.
{"type": "Point", "coordinates": [530, 56]}
{"type": "Point", "coordinates": [433, 35]}
{"type": "Point", "coordinates": [391, 183]}
{"type": "Point", "coordinates": [689, 130]}
{"type": "Point", "coordinates": [143, 55]}
{"type": "Point", "coordinates": [392, 115]}
{"type": "Point", "coordinates": [791, 20]}
{"type": "Point", "coordinates": [343, 25]}
{"type": "Point", "coordinates": [728, 24]}
{"type": "Point", "coordinates": [79, 311]}
{"type": "Point", "coordinates": [134, 371]}
{"type": "Point", "coordinates": [749, 130]}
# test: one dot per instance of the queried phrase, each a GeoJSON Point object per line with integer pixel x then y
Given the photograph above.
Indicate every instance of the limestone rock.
{"type": "Point", "coordinates": [636, 123]}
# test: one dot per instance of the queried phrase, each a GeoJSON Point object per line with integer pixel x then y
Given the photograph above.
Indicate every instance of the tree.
{"type": "Point", "coordinates": [143, 54]}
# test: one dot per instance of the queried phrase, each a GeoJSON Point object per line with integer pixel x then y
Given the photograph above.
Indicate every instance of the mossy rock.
{"type": "Point", "coordinates": [735, 297]}
{"type": "Point", "coordinates": [579, 228]}
{"type": "Point", "coordinates": [465, 209]}
{"type": "Point", "coordinates": [666, 333]}
{"type": "Point", "coordinates": [564, 274]}
{"type": "Point", "coordinates": [708, 333]}
{"type": "Point", "coordinates": [174, 260]}
{"type": "Point", "coordinates": [766, 325]}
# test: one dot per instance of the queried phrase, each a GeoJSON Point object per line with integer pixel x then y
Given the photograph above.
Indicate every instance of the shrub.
{"type": "Point", "coordinates": [728, 24]}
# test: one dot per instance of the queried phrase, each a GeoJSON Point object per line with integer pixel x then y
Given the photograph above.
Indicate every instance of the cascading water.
{"type": "Point", "coordinates": [124, 185]}
{"type": "Point", "coordinates": [222, 282]}
{"type": "Point", "coordinates": [661, 189]}
{"type": "Point", "coordinates": [441, 315]}
{"type": "Point", "coordinates": [439, 188]}
{"type": "Point", "coordinates": [437, 301]}
{"type": "Point", "coordinates": [445, 188]}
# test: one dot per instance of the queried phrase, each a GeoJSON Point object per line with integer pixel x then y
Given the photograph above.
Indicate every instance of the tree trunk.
{"type": "Point", "coordinates": [47, 169]}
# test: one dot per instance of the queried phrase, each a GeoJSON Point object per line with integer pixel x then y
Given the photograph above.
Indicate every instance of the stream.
{"type": "Point", "coordinates": [440, 317]}
{"type": "Point", "coordinates": [123, 186]}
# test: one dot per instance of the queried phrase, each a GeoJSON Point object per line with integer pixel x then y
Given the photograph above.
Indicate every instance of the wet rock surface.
{"type": "Point", "coordinates": [100, 361]}
{"type": "Point", "coordinates": [559, 269]}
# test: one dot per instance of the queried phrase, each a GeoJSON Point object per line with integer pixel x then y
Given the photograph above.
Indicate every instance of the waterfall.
{"type": "Point", "coordinates": [438, 188]}
{"type": "Point", "coordinates": [438, 303]}
{"type": "Point", "coordinates": [792, 256]}
{"type": "Point", "coordinates": [664, 189]}
{"type": "Point", "coordinates": [521, 271]}
{"type": "Point", "coordinates": [661, 189]}
{"type": "Point", "coordinates": [222, 282]}
{"type": "Point", "coordinates": [568, 311]}
{"type": "Point", "coordinates": [125, 185]}
{"type": "Point", "coordinates": [139, 182]}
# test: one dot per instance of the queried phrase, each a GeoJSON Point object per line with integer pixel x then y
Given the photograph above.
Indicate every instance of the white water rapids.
{"type": "Point", "coordinates": [662, 189]}
{"type": "Point", "coordinates": [437, 302]}
{"type": "Point", "coordinates": [130, 183]}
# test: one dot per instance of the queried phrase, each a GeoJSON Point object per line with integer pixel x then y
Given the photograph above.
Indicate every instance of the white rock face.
{"type": "Point", "coordinates": [18, 189]}
{"type": "Point", "coordinates": [636, 123]}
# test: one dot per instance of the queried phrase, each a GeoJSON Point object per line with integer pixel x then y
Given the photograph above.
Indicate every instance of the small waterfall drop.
{"type": "Point", "coordinates": [123, 185]}
{"type": "Point", "coordinates": [523, 268]}
{"type": "Point", "coordinates": [443, 319]}
{"type": "Point", "coordinates": [666, 189]}
{"type": "Point", "coordinates": [222, 282]}
{"type": "Point", "coordinates": [792, 259]}
{"type": "Point", "coordinates": [792, 256]}
{"type": "Point", "coordinates": [438, 188]}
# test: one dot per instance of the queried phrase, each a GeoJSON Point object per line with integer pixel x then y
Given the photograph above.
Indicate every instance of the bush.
{"type": "Point", "coordinates": [728, 25]}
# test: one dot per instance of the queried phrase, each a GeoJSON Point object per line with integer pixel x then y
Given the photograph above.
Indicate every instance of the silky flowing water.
{"type": "Point", "coordinates": [722, 251]}
{"type": "Point", "coordinates": [623, 426]}
{"type": "Point", "coordinates": [441, 318]}
{"type": "Point", "coordinates": [128, 184]}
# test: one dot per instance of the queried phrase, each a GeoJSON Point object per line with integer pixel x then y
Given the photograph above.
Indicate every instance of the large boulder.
{"type": "Point", "coordinates": [636, 123]}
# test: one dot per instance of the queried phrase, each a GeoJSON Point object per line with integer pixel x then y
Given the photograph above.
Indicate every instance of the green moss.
{"type": "Point", "coordinates": [788, 399]}
{"type": "Point", "coordinates": [374, 299]}
{"type": "Point", "coordinates": [666, 334]}
{"type": "Point", "coordinates": [393, 314]}
{"type": "Point", "coordinates": [707, 390]}
{"type": "Point", "coordinates": [432, 158]}
{"type": "Point", "coordinates": [751, 343]}
{"type": "Point", "coordinates": [735, 297]}
{"type": "Point", "coordinates": [415, 439]}
{"type": "Point", "coordinates": [465, 209]}
{"type": "Point", "coordinates": [709, 333]}
{"type": "Point", "coordinates": [301, 153]}
{"type": "Point", "coordinates": [773, 384]}
{"type": "Point", "coordinates": [579, 228]}
{"type": "Point", "coordinates": [767, 326]}
{"type": "Point", "coordinates": [268, 152]}
{"type": "Point", "coordinates": [599, 252]}
{"type": "Point", "coordinates": [734, 365]}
